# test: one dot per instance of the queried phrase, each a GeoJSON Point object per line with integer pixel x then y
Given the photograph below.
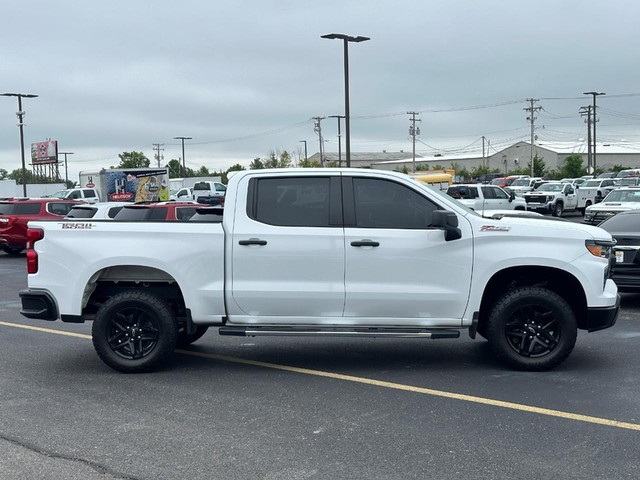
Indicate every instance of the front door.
{"type": "Point", "coordinates": [399, 270]}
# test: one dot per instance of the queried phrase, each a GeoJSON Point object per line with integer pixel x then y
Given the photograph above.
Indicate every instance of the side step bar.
{"type": "Point", "coordinates": [434, 333]}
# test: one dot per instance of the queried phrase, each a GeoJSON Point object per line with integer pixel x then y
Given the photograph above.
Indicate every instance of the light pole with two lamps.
{"type": "Point", "coordinates": [347, 130]}
{"type": "Point", "coordinates": [20, 114]}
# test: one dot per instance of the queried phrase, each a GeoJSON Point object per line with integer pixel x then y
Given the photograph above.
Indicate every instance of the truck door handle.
{"type": "Point", "coordinates": [365, 243]}
{"type": "Point", "coordinates": [253, 241]}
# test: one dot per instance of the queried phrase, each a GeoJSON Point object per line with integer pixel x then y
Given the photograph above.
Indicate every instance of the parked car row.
{"type": "Point", "coordinates": [15, 214]}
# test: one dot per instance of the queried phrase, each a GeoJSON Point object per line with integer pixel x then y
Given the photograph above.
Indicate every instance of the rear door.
{"type": "Point", "coordinates": [398, 268]}
{"type": "Point", "coordinates": [287, 250]}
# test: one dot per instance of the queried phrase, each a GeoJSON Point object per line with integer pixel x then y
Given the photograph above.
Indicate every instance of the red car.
{"type": "Point", "coordinates": [158, 211]}
{"type": "Point", "coordinates": [16, 213]}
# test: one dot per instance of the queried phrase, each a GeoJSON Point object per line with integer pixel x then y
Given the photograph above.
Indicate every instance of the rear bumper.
{"type": "Point", "coordinates": [38, 304]}
{"type": "Point", "coordinates": [599, 318]}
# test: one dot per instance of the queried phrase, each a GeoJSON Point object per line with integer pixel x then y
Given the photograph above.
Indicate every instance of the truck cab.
{"type": "Point", "coordinates": [89, 195]}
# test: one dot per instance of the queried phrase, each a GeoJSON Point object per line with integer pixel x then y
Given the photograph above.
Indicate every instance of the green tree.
{"type": "Point", "coordinates": [3, 174]}
{"type": "Point", "coordinates": [309, 163]}
{"type": "Point", "coordinates": [175, 169]}
{"type": "Point", "coordinates": [572, 167]}
{"type": "Point", "coordinates": [203, 172]}
{"type": "Point", "coordinates": [278, 161]}
{"type": "Point", "coordinates": [17, 176]}
{"type": "Point", "coordinates": [133, 160]}
{"type": "Point", "coordinates": [256, 164]}
{"type": "Point", "coordinates": [235, 168]}
{"type": "Point", "coordinates": [616, 168]}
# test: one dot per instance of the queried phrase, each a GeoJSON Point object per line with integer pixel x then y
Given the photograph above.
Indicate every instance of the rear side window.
{"type": "Point", "coordinates": [133, 214]}
{"type": "Point", "coordinates": [89, 193]}
{"type": "Point", "coordinates": [59, 208]}
{"type": "Point", "coordinates": [82, 212]}
{"type": "Point", "coordinates": [291, 201]}
{"type": "Point", "coordinates": [6, 208]}
{"type": "Point", "coordinates": [159, 213]}
{"type": "Point", "coordinates": [185, 213]}
{"type": "Point", "coordinates": [26, 209]}
{"type": "Point", "coordinates": [220, 187]}
{"type": "Point", "coordinates": [113, 212]}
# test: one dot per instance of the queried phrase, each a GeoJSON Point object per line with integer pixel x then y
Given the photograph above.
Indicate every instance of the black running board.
{"type": "Point", "coordinates": [434, 333]}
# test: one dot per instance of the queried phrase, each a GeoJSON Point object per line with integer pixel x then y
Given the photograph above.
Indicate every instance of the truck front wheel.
{"type": "Point", "coordinates": [558, 209]}
{"type": "Point", "coordinates": [134, 331]}
{"type": "Point", "coordinates": [531, 328]}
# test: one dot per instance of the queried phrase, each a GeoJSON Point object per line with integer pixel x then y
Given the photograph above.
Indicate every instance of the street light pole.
{"type": "Point", "coordinates": [339, 139]}
{"type": "Point", "coordinates": [347, 123]}
{"type": "Point", "coordinates": [594, 120]}
{"type": "Point", "coordinates": [66, 171]}
{"type": "Point", "coordinates": [305, 149]}
{"type": "Point", "coordinates": [184, 163]}
{"type": "Point", "coordinates": [20, 114]}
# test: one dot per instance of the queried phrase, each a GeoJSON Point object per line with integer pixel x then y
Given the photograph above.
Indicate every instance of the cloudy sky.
{"type": "Point", "coordinates": [245, 78]}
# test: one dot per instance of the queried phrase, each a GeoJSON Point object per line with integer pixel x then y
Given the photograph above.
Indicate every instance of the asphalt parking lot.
{"type": "Point", "coordinates": [291, 408]}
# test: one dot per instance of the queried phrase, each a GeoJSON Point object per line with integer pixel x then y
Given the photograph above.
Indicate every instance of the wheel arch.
{"type": "Point", "coordinates": [117, 278]}
{"type": "Point", "coordinates": [559, 281]}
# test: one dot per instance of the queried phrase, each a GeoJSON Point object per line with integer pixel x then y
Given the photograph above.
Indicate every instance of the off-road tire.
{"type": "Point", "coordinates": [134, 331]}
{"type": "Point", "coordinates": [531, 328]}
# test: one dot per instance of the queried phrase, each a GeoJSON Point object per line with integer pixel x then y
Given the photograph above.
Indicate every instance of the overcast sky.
{"type": "Point", "coordinates": [245, 78]}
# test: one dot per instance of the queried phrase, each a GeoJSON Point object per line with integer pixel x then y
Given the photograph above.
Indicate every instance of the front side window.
{"type": "Point", "coordinates": [291, 201]}
{"type": "Point", "coordinates": [387, 204]}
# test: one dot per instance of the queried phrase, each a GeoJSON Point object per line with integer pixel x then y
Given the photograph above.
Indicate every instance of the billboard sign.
{"type": "Point", "coordinates": [44, 152]}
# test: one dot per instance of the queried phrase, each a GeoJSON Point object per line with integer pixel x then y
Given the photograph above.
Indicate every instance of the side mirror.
{"type": "Point", "coordinates": [447, 221]}
{"type": "Point", "coordinates": [512, 195]}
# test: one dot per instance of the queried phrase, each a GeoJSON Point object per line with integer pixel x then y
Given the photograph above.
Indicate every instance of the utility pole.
{"type": "Point", "coordinates": [414, 131]}
{"type": "Point", "coordinates": [594, 121]}
{"type": "Point", "coordinates": [484, 158]}
{"type": "Point", "coordinates": [184, 163]}
{"type": "Point", "coordinates": [586, 111]}
{"type": "Point", "coordinates": [305, 149]}
{"type": "Point", "coordinates": [532, 118]}
{"type": "Point", "coordinates": [158, 149]}
{"type": "Point", "coordinates": [318, 129]}
{"type": "Point", "coordinates": [339, 138]}
{"type": "Point", "coordinates": [66, 171]}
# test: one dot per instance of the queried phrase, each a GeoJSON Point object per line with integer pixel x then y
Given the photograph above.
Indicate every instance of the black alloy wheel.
{"type": "Point", "coordinates": [532, 328]}
{"type": "Point", "coordinates": [134, 331]}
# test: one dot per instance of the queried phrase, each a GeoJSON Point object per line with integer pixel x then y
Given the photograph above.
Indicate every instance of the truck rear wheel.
{"type": "Point", "coordinates": [531, 328]}
{"type": "Point", "coordinates": [134, 331]}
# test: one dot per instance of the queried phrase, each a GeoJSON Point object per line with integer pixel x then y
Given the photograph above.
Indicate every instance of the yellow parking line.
{"type": "Point", "coordinates": [46, 330]}
{"type": "Point", "coordinates": [378, 383]}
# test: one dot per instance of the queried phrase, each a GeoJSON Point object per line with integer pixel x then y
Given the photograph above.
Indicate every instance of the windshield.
{"type": "Point", "coordinates": [552, 187]}
{"type": "Point", "coordinates": [591, 183]}
{"type": "Point", "coordinates": [521, 182]}
{"type": "Point", "coordinates": [623, 196]}
{"type": "Point", "coordinates": [60, 194]}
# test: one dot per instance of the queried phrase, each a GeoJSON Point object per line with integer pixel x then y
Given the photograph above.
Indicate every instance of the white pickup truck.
{"type": "Point", "coordinates": [481, 197]}
{"type": "Point", "coordinates": [334, 252]}
{"type": "Point", "coordinates": [555, 198]}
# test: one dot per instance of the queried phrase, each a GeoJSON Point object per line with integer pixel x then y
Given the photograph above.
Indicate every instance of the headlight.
{"type": "Point", "coordinates": [600, 248]}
